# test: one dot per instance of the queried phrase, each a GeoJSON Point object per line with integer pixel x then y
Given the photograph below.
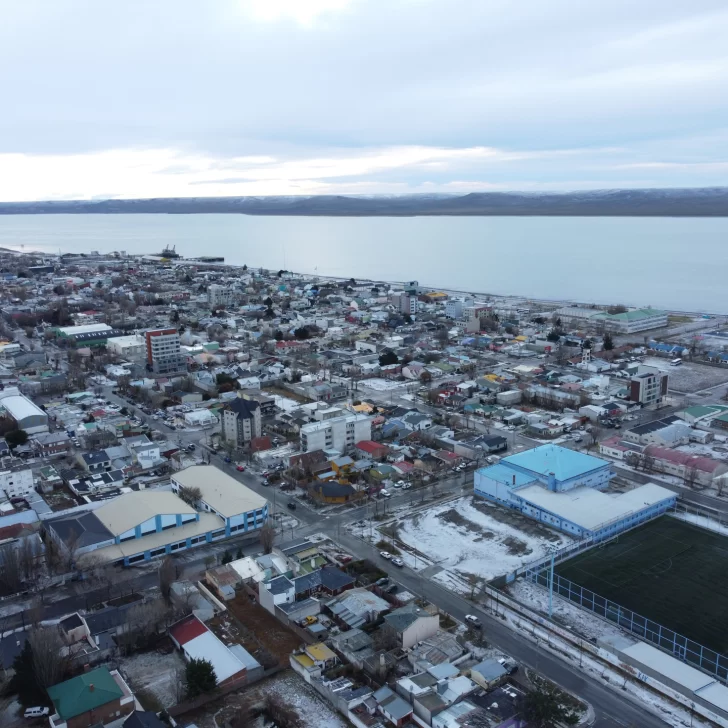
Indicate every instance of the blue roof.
{"type": "Point", "coordinates": [503, 474]}
{"type": "Point", "coordinates": [562, 462]}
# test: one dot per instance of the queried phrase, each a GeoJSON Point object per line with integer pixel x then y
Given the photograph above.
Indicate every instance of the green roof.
{"type": "Point", "coordinates": [83, 693]}
{"type": "Point", "coordinates": [701, 410]}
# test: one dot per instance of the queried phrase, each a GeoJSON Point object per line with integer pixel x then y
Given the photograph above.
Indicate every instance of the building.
{"type": "Point", "coordinates": [133, 348]}
{"type": "Point", "coordinates": [164, 352]}
{"type": "Point", "coordinates": [561, 488]}
{"type": "Point", "coordinates": [412, 624]}
{"type": "Point", "coordinates": [26, 415]}
{"type": "Point", "coordinates": [488, 673]}
{"type": "Point", "coordinates": [337, 433]}
{"type": "Point", "coordinates": [97, 697]}
{"type": "Point", "coordinates": [219, 296]}
{"type": "Point", "coordinates": [241, 421]}
{"type": "Point", "coordinates": [630, 322]}
{"type": "Point", "coordinates": [51, 443]}
{"type": "Point", "coordinates": [405, 303]}
{"type": "Point", "coordinates": [232, 664]}
{"type": "Point", "coordinates": [89, 334]}
{"type": "Point", "coordinates": [17, 482]}
{"type": "Point", "coordinates": [148, 524]}
{"type": "Point", "coordinates": [668, 432]}
{"type": "Point", "coordinates": [648, 387]}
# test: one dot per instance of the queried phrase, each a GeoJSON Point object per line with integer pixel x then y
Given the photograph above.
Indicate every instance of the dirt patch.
{"type": "Point", "coordinates": [248, 624]}
{"type": "Point", "coordinates": [456, 519]}
{"type": "Point", "coordinates": [516, 547]}
{"type": "Point", "coordinates": [512, 518]}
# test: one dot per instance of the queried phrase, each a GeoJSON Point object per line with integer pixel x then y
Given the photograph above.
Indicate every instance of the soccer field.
{"type": "Point", "coordinates": [669, 571]}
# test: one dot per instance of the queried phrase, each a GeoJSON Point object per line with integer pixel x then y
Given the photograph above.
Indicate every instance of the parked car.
{"type": "Point", "coordinates": [385, 555]}
{"type": "Point", "coordinates": [393, 589]}
{"type": "Point", "coordinates": [384, 493]}
{"type": "Point", "coordinates": [397, 561]}
{"type": "Point", "coordinates": [291, 505]}
{"type": "Point", "coordinates": [383, 581]}
{"type": "Point", "coordinates": [240, 468]}
{"type": "Point", "coordinates": [191, 446]}
{"type": "Point", "coordinates": [472, 619]}
{"type": "Point", "coordinates": [508, 665]}
{"type": "Point", "coordinates": [228, 459]}
{"type": "Point", "coordinates": [37, 712]}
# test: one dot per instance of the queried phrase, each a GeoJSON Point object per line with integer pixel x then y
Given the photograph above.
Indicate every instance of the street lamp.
{"type": "Point", "coordinates": [552, 550]}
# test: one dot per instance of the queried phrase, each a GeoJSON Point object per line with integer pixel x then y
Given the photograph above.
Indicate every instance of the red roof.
{"type": "Point", "coordinates": [371, 447]}
{"type": "Point", "coordinates": [187, 630]}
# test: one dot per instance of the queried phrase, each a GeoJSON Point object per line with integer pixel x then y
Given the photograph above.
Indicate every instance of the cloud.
{"type": "Point", "coordinates": [189, 97]}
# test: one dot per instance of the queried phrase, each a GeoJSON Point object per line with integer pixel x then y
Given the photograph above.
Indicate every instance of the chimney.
{"type": "Point", "coordinates": [91, 688]}
{"type": "Point", "coordinates": [552, 482]}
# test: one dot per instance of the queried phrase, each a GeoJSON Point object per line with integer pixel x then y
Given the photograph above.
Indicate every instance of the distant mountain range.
{"type": "Point", "coordinates": [698, 202]}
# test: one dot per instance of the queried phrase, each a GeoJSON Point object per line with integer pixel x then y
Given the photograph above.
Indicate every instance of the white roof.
{"type": "Point", "coordinates": [208, 647]}
{"type": "Point", "coordinates": [591, 509]}
{"type": "Point", "coordinates": [247, 568]}
{"type": "Point", "coordinates": [88, 329]}
{"type": "Point", "coordinates": [131, 509]}
{"type": "Point", "coordinates": [219, 490]}
{"type": "Point", "coordinates": [668, 666]}
{"type": "Point", "coordinates": [21, 407]}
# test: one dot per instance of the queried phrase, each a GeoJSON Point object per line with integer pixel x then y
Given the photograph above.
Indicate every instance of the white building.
{"type": "Point", "coordinates": [648, 386]}
{"type": "Point", "coordinates": [218, 295]}
{"type": "Point", "coordinates": [164, 351]}
{"type": "Point", "coordinates": [131, 347]}
{"type": "Point", "coordinates": [200, 418]}
{"type": "Point", "coordinates": [17, 483]}
{"type": "Point", "coordinates": [641, 319]}
{"type": "Point", "coordinates": [24, 412]}
{"type": "Point", "coordinates": [337, 433]}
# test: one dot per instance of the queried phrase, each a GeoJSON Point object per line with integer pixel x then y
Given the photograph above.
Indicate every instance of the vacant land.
{"type": "Point", "coordinates": [668, 571]}
{"type": "Point", "coordinates": [155, 678]}
{"type": "Point", "coordinates": [470, 538]}
{"type": "Point", "coordinates": [690, 377]}
{"type": "Point", "coordinates": [258, 631]}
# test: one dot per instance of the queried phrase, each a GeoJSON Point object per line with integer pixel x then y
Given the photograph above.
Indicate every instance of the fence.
{"type": "Point", "coordinates": [676, 644]}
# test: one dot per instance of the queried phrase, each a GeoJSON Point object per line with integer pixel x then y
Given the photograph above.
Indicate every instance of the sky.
{"type": "Point", "coordinates": [179, 98]}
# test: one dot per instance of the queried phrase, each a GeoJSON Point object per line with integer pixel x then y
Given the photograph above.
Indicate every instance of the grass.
{"type": "Point", "coordinates": [669, 571]}
{"type": "Point", "coordinates": [383, 545]}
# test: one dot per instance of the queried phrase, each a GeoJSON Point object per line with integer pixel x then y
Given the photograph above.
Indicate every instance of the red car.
{"type": "Point", "coordinates": [240, 469]}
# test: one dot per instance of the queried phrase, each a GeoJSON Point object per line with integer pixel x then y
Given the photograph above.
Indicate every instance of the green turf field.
{"type": "Point", "coordinates": [668, 571]}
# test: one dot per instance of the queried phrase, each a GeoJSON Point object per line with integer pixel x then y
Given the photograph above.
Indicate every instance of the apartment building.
{"type": "Point", "coordinates": [648, 386]}
{"type": "Point", "coordinates": [241, 421]}
{"type": "Point", "coordinates": [17, 483]}
{"type": "Point", "coordinates": [218, 295]}
{"type": "Point", "coordinates": [164, 353]}
{"type": "Point", "coordinates": [337, 433]}
{"type": "Point", "coordinates": [132, 348]}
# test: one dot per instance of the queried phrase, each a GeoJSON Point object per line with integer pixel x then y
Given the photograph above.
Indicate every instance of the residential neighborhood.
{"type": "Point", "coordinates": [355, 491]}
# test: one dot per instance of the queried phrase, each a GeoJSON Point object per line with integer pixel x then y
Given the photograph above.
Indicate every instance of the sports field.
{"type": "Point", "coordinates": [668, 571]}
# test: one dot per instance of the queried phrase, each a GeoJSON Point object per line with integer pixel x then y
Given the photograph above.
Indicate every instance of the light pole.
{"type": "Point", "coordinates": [552, 550]}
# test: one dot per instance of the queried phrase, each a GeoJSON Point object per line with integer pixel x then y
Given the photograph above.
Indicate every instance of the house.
{"type": "Point", "coordinates": [372, 450]}
{"type": "Point", "coordinates": [232, 664]}
{"type": "Point", "coordinates": [412, 624]}
{"type": "Point", "coordinates": [96, 697]}
{"type": "Point", "coordinates": [392, 707]}
{"type": "Point", "coordinates": [51, 443]}
{"type": "Point", "coordinates": [333, 492]}
{"type": "Point", "coordinates": [144, 719]}
{"type": "Point", "coordinates": [668, 432]}
{"type": "Point", "coordinates": [94, 461]}
{"type": "Point", "coordinates": [355, 607]}
{"type": "Point", "coordinates": [313, 661]}
{"type": "Point", "coordinates": [276, 591]}
{"type": "Point", "coordinates": [488, 673]}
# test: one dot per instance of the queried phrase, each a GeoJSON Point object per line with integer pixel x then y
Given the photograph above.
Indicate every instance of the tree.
{"type": "Point", "coordinates": [425, 377]}
{"type": "Point", "coordinates": [227, 557]}
{"type": "Point", "coordinates": [554, 335]}
{"type": "Point", "coordinates": [691, 476]}
{"type": "Point", "coordinates": [11, 572]}
{"type": "Point", "coordinates": [302, 333]}
{"type": "Point", "coordinates": [542, 708]}
{"type": "Point", "coordinates": [387, 357]}
{"type": "Point", "coordinates": [200, 677]}
{"type": "Point", "coordinates": [239, 554]}
{"type": "Point", "coordinates": [190, 494]}
{"type": "Point", "coordinates": [267, 536]}
{"type": "Point", "coordinates": [167, 575]}
{"type": "Point", "coordinates": [278, 335]}
{"type": "Point", "coordinates": [442, 337]}
{"type": "Point", "coordinates": [23, 682]}
{"type": "Point", "coordinates": [16, 437]}
{"type": "Point", "coordinates": [49, 661]}
{"type": "Point", "coordinates": [608, 342]}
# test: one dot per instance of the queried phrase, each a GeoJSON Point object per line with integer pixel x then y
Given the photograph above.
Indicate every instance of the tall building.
{"type": "Point", "coordinates": [241, 421]}
{"type": "Point", "coordinates": [164, 353]}
{"type": "Point", "coordinates": [648, 386]}
{"type": "Point", "coordinates": [405, 303]}
{"type": "Point", "coordinates": [337, 433]}
{"type": "Point", "coordinates": [218, 295]}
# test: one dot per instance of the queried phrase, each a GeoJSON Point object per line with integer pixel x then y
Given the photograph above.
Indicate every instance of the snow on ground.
{"type": "Point", "coordinates": [703, 521]}
{"type": "Point", "coordinates": [381, 385]}
{"type": "Point", "coordinates": [690, 376]}
{"type": "Point", "coordinates": [294, 692]}
{"type": "Point", "coordinates": [717, 450]}
{"type": "Point", "coordinates": [465, 540]}
{"type": "Point", "coordinates": [156, 674]}
{"type": "Point", "coordinates": [583, 622]}
{"type": "Point", "coordinates": [286, 404]}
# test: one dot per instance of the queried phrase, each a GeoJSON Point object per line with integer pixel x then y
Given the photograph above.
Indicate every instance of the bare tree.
{"type": "Point", "coordinates": [648, 463]}
{"type": "Point", "coordinates": [49, 656]}
{"type": "Point", "coordinates": [167, 575]}
{"type": "Point", "coordinates": [11, 573]}
{"type": "Point", "coordinates": [691, 476]}
{"type": "Point", "coordinates": [267, 537]}
{"type": "Point", "coordinates": [29, 553]}
{"type": "Point", "coordinates": [385, 638]}
{"type": "Point", "coordinates": [190, 494]}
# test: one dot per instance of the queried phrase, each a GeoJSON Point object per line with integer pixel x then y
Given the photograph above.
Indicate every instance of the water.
{"type": "Point", "coordinates": [675, 263]}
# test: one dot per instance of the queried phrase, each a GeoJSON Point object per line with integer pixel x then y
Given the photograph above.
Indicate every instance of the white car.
{"type": "Point", "coordinates": [397, 561]}
{"type": "Point", "coordinates": [472, 619]}
{"type": "Point", "coordinates": [37, 712]}
{"type": "Point", "coordinates": [385, 555]}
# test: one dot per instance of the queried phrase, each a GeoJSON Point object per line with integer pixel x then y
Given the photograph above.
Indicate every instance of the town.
{"type": "Point", "coordinates": [236, 496]}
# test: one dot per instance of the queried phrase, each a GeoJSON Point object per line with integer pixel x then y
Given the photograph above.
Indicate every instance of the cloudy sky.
{"type": "Point", "coordinates": [150, 98]}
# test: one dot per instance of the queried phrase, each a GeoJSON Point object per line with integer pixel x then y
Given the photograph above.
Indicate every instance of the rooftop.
{"type": "Point", "coordinates": [132, 509]}
{"type": "Point", "coordinates": [564, 463]}
{"type": "Point", "coordinates": [84, 693]}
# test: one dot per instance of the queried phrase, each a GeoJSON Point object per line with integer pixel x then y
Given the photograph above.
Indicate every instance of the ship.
{"type": "Point", "coordinates": [170, 252]}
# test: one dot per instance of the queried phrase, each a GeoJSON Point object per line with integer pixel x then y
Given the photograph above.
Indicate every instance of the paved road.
{"type": "Point", "coordinates": [611, 709]}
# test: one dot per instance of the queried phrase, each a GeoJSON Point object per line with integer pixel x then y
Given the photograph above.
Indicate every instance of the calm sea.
{"type": "Point", "coordinates": [681, 264]}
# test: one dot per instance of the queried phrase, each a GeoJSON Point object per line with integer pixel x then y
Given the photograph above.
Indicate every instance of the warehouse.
{"type": "Point", "coordinates": [148, 524]}
{"type": "Point", "coordinates": [26, 415]}
{"type": "Point", "coordinates": [561, 488]}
